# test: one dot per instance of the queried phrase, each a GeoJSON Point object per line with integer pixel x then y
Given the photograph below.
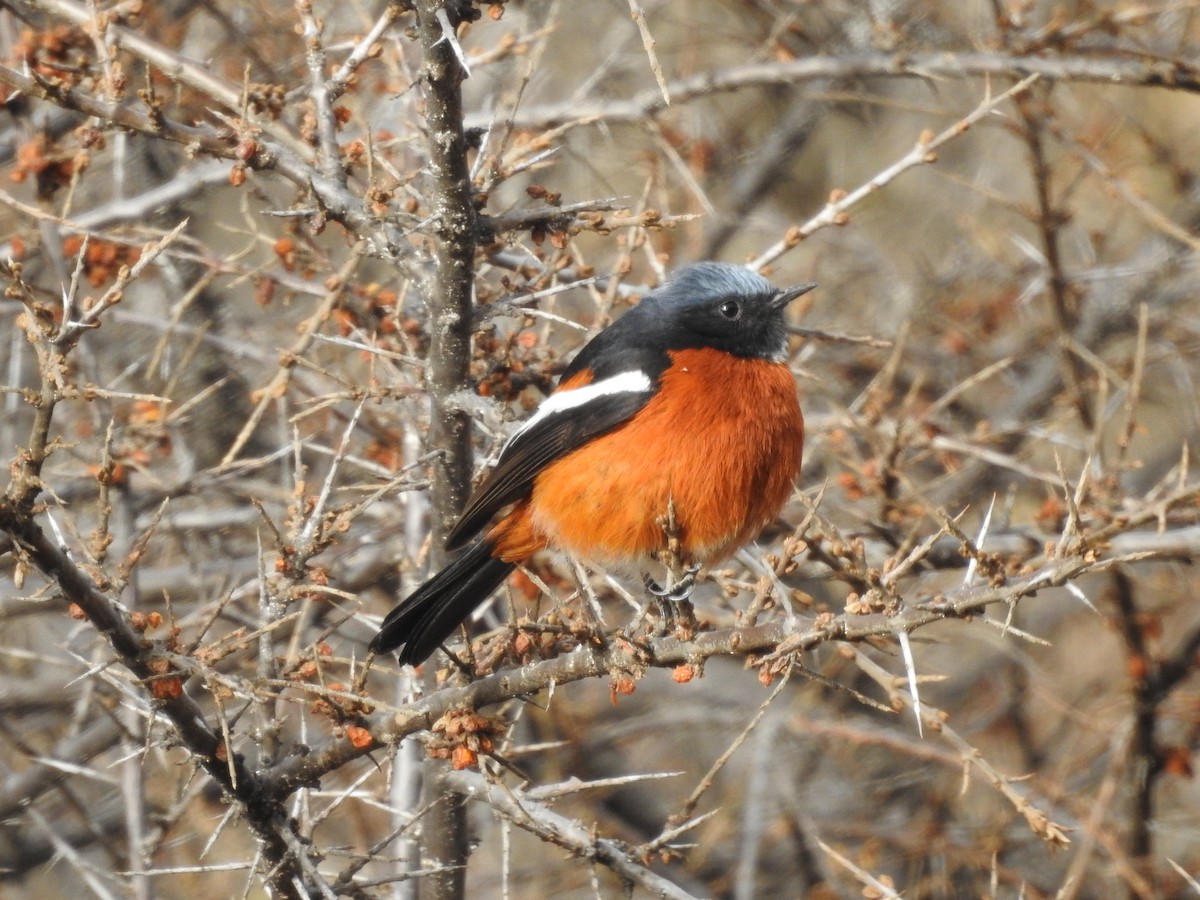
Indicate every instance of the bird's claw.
{"type": "Point", "coordinates": [677, 592]}
{"type": "Point", "coordinates": [675, 611]}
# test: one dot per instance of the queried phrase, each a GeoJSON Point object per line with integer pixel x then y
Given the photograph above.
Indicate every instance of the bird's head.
{"type": "Point", "coordinates": [725, 307]}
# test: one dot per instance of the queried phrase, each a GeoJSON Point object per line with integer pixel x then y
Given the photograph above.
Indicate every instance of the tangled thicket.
{"type": "Point", "coordinates": [279, 276]}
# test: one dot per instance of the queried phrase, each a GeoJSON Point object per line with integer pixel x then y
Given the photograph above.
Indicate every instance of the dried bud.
{"type": "Point", "coordinates": [246, 150]}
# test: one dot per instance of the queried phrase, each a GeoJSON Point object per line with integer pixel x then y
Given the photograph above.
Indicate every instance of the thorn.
{"type": "Point", "coordinates": [910, 667]}
{"type": "Point", "coordinates": [983, 530]}
{"type": "Point", "coordinates": [1077, 592]}
{"type": "Point", "coordinates": [449, 36]}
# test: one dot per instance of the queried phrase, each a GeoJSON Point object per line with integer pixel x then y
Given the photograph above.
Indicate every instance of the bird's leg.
{"type": "Point", "coordinates": [659, 596]}
{"type": "Point", "coordinates": [675, 612]}
{"type": "Point", "coordinates": [675, 609]}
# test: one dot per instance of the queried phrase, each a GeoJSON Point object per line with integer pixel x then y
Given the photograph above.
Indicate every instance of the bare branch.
{"type": "Point", "coordinates": [1173, 74]}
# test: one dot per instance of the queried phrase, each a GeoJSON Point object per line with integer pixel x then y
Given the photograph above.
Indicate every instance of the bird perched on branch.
{"type": "Point", "coordinates": [685, 403]}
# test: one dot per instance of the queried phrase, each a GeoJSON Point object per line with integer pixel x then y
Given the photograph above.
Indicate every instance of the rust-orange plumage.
{"type": "Point", "coordinates": [686, 401]}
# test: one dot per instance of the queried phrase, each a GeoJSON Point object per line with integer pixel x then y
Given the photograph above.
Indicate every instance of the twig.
{"type": "Point", "coordinates": [384, 239]}
{"type": "Point", "coordinates": [710, 777]}
{"type": "Point", "coordinates": [1041, 825]}
{"type": "Point", "coordinates": [923, 152]}
{"type": "Point", "coordinates": [71, 329]}
{"type": "Point", "coordinates": [176, 67]}
{"type": "Point", "coordinates": [319, 94]}
{"type": "Point", "coordinates": [550, 826]}
{"type": "Point", "coordinates": [277, 387]}
{"type": "Point", "coordinates": [648, 43]}
{"type": "Point", "coordinates": [878, 887]}
{"type": "Point", "coordinates": [364, 49]}
{"type": "Point", "coordinates": [1109, 69]}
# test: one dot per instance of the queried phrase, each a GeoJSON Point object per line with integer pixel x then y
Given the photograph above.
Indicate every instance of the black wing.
{"type": "Point", "coordinates": [532, 449]}
{"type": "Point", "coordinates": [631, 344]}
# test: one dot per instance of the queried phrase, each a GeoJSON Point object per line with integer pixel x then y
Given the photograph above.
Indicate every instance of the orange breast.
{"type": "Point", "coordinates": [722, 439]}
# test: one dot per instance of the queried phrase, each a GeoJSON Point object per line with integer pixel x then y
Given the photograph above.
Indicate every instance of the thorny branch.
{"type": "Point", "coordinates": [775, 644]}
{"type": "Point", "coordinates": [158, 672]}
{"type": "Point", "coordinates": [449, 292]}
{"type": "Point", "coordinates": [1173, 74]}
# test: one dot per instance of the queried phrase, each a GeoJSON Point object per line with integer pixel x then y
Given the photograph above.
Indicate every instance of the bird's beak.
{"type": "Point", "coordinates": [787, 295]}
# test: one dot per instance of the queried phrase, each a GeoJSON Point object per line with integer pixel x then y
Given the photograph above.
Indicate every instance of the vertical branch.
{"type": "Point", "coordinates": [1064, 296]}
{"type": "Point", "coordinates": [449, 297]}
{"type": "Point", "coordinates": [26, 481]}
{"type": "Point", "coordinates": [407, 760]}
{"type": "Point", "coordinates": [450, 294]}
{"type": "Point", "coordinates": [1144, 762]}
{"type": "Point", "coordinates": [1153, 678]}
{"type": "Point", "coordinates": [133, 787]}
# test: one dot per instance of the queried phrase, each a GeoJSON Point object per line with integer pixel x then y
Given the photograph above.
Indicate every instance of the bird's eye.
{"type": "Point", "coordinates": [730, 309]}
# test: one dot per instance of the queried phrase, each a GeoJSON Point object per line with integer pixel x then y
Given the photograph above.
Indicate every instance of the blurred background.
{"type": "Point", "coordinates": [1004, 338]}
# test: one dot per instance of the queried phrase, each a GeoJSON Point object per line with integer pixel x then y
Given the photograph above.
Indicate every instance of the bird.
{"type": "Point", "coordinates": [685, 403]}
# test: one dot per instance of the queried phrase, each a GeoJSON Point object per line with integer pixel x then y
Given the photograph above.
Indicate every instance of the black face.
{"type": "Point", "coordinates": [728, 308]}
{"type": "Point", "coordinates": [707, 304]}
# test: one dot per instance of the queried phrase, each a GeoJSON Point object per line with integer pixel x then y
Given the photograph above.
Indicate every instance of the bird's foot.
{"type": "Point", "coordinates": [679, 591]}
{"type": "Point", "coordinates": [675, 611]}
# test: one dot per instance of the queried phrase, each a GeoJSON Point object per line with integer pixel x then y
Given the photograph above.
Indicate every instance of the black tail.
{"type": "Point", "coordinates": [428, 616]}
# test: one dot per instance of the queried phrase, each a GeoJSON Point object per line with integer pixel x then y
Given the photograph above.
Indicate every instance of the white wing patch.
{"type": "Point", "coordinates": [635, 382]}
